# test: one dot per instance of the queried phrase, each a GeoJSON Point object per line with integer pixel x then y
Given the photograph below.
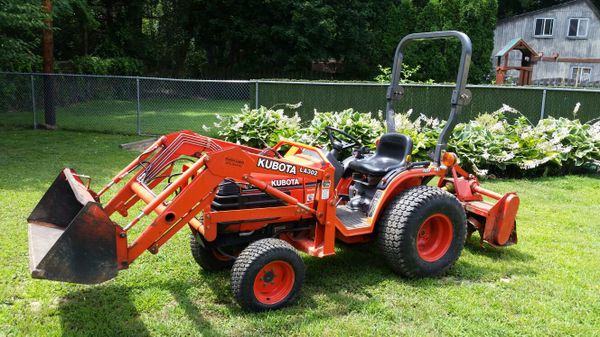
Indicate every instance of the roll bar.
{"type": "Point", "coordinates": [460, 95]}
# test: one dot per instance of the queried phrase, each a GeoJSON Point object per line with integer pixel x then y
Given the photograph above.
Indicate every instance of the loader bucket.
{"type": "Point", "coordinates": [71, 238]}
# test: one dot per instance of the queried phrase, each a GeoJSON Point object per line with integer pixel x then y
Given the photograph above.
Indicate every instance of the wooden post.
{"type": "Point", "coordinates": [48, 59]}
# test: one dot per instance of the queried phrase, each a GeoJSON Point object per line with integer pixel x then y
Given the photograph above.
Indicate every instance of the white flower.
{"type": "Point", "coordinates": [294, 106]}
{"type": "Point", "coordinates": [499, 126]}
{"type": "Point", "coordinates": [505, 157]}
{"type": "Point", "coordinates": [506, 108]}
{"type": "Point", "coordinates": [576, 110]}
{"type": "Point", "coordinates": [237, 126]}
{"type": "Point", "coordinates": [530, 164]}
{"type": "Point", "coordinates": [563, 149]}
{"type": "Point", "coordinates": [480, 172]}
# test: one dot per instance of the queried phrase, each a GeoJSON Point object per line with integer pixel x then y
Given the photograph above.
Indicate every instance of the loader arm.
{"type": "Point", "coordinates": [178, 204]}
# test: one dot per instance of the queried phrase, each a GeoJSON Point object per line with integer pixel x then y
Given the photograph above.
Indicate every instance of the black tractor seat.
{"type": "Point", "coordinates": [391, 153]}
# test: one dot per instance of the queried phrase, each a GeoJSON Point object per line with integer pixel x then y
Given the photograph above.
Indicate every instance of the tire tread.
{"type": "Point", "coordinates": [249, 256]}
{"type": "Point", "coordinates": [396, 223]}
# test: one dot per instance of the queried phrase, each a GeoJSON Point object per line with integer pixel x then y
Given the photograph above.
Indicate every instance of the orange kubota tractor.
{"type": "Point", "coordinates": [250, 209]}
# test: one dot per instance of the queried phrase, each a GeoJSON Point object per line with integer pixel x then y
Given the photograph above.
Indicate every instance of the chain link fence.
{"type": "Point", "coordinates": [117, 104]}
{"type": "Point", "coordinates": [150, 106]}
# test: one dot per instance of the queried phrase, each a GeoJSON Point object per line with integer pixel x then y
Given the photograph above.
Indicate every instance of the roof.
{"type": "Point", "coordinates": [516, 44]}
{"type": "Point", "coordinates": [545, 9]}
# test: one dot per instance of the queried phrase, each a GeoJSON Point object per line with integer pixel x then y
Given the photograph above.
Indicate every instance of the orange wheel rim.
{"type": "Point", "coordinates": [274, 282]}
{"type": "Point", "coordinates": [434, 237]}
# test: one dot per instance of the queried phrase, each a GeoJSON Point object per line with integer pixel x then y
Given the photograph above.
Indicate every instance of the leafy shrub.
{"type": "Point", "coordinates": [21, 23]}
{"type": "Point", "coordinates": [195, 59]}
{"type": "Point", "coordinates": [125, 66]}
{"type": "Point", "coordinates": [565, 142]}
{"type": "Point", "coordinates": [360, 125]}
{"type": "Point", "coordinates": [108, 66]}
{"type": "Point", "coordinates": [406, 74]}
{"type": "Point", "coordinates": [423, 131]}
{"type": "Point", "coordinates": [265, 126]}
{"type": "Point", "coordinates": [91, 65]}
{"type": "Point", "coordinates": [15, 96]}
{"type": "Point", "coordinates": [257, 127]}
{"type": "Point", "coordinates": [491, 144]}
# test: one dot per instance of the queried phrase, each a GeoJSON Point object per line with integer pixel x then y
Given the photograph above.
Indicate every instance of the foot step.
{"type": "Point", "coordinates": [351, 219]}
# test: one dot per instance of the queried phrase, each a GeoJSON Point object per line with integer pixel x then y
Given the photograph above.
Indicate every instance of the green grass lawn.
{"type": "Point", "coordinates": [118, 116]}
{"type": "Point", "coordinates": [548, 284]}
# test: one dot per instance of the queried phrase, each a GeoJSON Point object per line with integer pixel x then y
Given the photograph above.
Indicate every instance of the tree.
{"type": "Point", "coordinates": [77, 30]}
{"type": "Point", "coordinates": [48, 66]}
{"type": "Point", "coordinates": [439, 59]}
{"type": "Point", "coordinates": [257, 38]}
{"type": "Point", "coordinates": [283, 37]}
{"type": "Point", "coordinates": [21, 22]}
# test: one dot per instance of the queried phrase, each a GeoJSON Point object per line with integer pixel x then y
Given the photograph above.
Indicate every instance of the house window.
{"type": "Point", "coordinates": [578, 28]}
{"type": "Point", "coordinates": [544, 27]}
{"type": "Point", "coordinates": [581, 74]}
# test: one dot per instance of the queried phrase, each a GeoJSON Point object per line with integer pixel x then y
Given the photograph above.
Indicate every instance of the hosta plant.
{"type": "Point", "coordinates": [488, 144]}
{"type": "Point", "coordinates": [363, 126]}
{"type": "Point", "coordinates": [257, 127]}
{"type": "Point", "coordinates": [492, 144]}
{"type": "Point", "coordinates": [423, 131]}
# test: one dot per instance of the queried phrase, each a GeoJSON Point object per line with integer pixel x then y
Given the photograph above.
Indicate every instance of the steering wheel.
{"type": "Point", "coordinates": [339, 144]}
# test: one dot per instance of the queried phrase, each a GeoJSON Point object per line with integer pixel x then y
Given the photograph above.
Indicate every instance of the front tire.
{"type": "Point", "coordinates": [267, 275]}
{"type": "Point", "coordinates": [422, 232]}
{"type": "Point", "coordinates": [208, 258]}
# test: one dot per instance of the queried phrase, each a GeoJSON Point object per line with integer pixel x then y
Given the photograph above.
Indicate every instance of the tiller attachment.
{"type": "Point", "coordinates": [71, 238]}
{"type": "Point", "coordinates": [495, 220]}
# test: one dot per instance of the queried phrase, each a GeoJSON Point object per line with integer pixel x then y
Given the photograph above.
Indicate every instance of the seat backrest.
{"type": "Point", "coordinates": [394, 145]}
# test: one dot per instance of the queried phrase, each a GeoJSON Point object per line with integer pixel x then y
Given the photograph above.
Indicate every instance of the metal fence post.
{"type": "Point", "coordinates": [33, 102]}
{"type": "Point", "coordinates": [543, 109]}
{"type": "Point", "coordinates": [139, 117]}
{"type": "Point", "coordinates": [256, 94]}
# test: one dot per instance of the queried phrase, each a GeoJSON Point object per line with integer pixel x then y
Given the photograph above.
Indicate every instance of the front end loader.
{"type": "Point", "coordinates": [251, 209]}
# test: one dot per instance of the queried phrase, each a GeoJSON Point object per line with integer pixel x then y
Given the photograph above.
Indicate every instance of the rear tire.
{"type": "Point", "coordinates": [422, 232]}
{"type": "Point", "coordinates": [208, 258]}
{"type": "Point", "coordinates": [267, 275]}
